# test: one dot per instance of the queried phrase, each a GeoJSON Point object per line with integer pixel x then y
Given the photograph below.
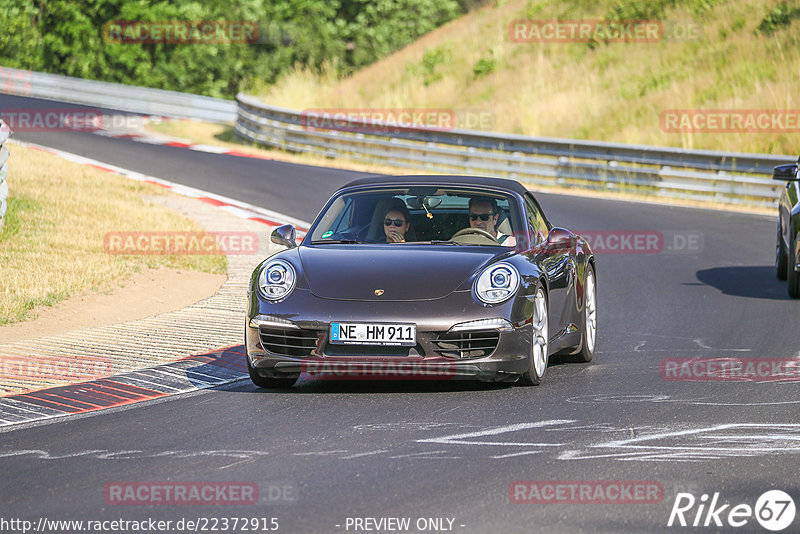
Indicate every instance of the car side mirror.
{"type": "Point", "coordinates": [284, 235]}
{"type": "Point", "coordinates": [560, 240]}
{"type": "Point", "coordinates": [785, 173]}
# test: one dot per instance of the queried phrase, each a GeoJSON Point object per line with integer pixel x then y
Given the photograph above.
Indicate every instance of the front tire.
{"type": "Point", "coordinates": [589, 317]}
{"type": "Point", "coordinates": [781, 258]}
{"type": "Point", "coordinates": [540, 342]}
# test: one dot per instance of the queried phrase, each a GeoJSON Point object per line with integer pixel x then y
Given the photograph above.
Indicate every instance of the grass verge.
{"type": "Point", "coordinates": [51, 246]}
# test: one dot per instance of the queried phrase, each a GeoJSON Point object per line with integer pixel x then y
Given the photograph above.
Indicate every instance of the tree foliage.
{"type": "Point", "coordinates": [67, 37]}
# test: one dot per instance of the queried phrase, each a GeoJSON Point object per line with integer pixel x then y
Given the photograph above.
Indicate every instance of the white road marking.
{"type": "Point", "coordinates": [709, 443]}
{"type": "Point", "coordinates": [409, 425]}
{"type": "Point", "coordinates": [625, 399]}
{"type": "Point", "coordinates": [44, 455]}
{"type": "Point", "coordinates": [426, 455]}
{"type": "Point", "coordinates": [726, 426]}
{"type": "Point", "coordinates": [687, 444]}
{"type": "Point", "coordinates": [463, 439]}
{"type": "Point", "coordinates": [319, 453]}
{"type": "Point", "coordinates": [523, 453]}
{"type": "Point", "coordinates": [360, 454]}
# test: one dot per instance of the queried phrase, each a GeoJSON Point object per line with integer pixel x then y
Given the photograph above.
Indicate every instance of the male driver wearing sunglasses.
{"type": "Point", "coordinates": [396, 223]}
{"type": "Point", "coordinates": [483, 214]}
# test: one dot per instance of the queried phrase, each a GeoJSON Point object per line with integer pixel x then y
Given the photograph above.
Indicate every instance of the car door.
{"type": "Point", "coordinates": [558, 267]}
{"type": "Point", "coordinates": [793, 212]}
{"type": "Point", "coordinates": [789, 212]}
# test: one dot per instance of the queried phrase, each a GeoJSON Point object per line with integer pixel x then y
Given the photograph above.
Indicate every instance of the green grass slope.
{"type": "Point", "coordinates": [711, 55]}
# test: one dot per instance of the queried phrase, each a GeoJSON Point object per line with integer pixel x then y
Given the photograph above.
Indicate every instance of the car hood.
{"type": "Point", "coordinates": [402, 272]}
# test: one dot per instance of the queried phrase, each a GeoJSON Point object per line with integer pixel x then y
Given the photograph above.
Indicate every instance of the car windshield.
{"type": "Point", "coordinates": [437, 215]}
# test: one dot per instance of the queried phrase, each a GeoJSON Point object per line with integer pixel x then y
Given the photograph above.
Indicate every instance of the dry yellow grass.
{"type": "Point", "coordinates": [614, 92]}
{"type": "Point", "coordinates": [59, 212]}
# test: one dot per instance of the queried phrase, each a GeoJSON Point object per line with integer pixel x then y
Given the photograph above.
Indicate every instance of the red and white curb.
{"type": "Point", "coordinates": [189, 374]}
{"type": "Point", "coordinates": [230, 205]}
{"type": "Point", "coordinates": [193, 373]}
{"type": "Point", "coordinates": [141, 136]}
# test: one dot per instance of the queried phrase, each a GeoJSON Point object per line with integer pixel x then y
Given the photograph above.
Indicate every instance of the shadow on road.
{"type": "Point", "coordinates": [314, 384]}
{"type": "Point", "coordinates": [745, 281]}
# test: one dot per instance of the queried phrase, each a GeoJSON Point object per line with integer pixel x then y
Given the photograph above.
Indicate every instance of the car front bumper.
{"type": "Point", "coordinates": [434, 356]}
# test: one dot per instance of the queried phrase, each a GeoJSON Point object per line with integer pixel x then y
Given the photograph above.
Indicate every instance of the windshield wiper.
{"type": "Point", "coordinates": [336, 242]}
{"type": "Point", "coordinates": [443, 242]}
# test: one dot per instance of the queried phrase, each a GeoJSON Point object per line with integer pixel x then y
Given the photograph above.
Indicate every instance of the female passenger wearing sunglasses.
{"type": "Point", "coordinates": [396, 223]}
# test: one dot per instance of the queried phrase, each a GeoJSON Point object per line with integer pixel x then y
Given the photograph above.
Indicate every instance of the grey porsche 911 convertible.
{"type": "Point", "coordinates": [413, 277]}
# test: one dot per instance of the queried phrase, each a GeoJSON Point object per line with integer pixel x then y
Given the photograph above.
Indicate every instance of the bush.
{"type": "Point", "coordinates": [66, 37]}
{"type": "Point", "coordinates": [431, 59]}
{"type": "Point", "coordinates": [484, 66]}
{"type": "Point", "coordinates": [779, 17]}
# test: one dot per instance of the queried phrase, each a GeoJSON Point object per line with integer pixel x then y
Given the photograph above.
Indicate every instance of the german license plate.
{"type": "Point", "coordinates": [373, 334]}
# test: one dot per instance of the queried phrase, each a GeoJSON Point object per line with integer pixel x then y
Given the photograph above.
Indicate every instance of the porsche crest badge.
{"type": "Point", "coordinates": [378, 292]}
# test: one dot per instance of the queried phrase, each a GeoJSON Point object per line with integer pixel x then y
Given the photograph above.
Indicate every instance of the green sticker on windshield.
{"type": "Point", "coordinates": [327, 234]}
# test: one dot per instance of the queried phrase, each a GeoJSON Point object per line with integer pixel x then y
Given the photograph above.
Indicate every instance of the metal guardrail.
{"type": "Point", "coordinates": [143, 100]}
{"type": "Point", "coordinates": [4, 154]}
{"type": "Point", "coordinates": [734, 178]}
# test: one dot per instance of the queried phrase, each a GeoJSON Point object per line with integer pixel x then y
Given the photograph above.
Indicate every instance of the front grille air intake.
{"type": "Point", "coordinates": [288, 341]}
{"type": "Point", "coordinates": [475, 344]}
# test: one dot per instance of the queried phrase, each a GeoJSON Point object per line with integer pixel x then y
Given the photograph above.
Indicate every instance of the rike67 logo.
{"type": "Point", "coordinates": [774, 510]}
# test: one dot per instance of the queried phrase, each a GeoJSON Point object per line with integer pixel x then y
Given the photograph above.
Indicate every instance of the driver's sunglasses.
{"type": "Point", "coordinates": [483, 216]}
{"type": "Point", "coordinates": [397, 222]}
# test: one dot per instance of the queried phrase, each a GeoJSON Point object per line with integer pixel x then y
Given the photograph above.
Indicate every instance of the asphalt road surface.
{"type": "Point", "coordinates": [348, 456]}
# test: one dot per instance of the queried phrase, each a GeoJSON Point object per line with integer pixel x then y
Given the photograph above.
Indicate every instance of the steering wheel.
{"type": "Point", "coordinates": [475, 231]}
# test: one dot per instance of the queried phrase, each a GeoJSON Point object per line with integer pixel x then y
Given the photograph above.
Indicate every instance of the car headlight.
{"type": "Point", "coordinates": [497, 283]}
{"type": "Point", "coordinates": [276, 280]}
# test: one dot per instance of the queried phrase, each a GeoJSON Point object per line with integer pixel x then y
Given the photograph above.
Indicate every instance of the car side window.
{"type": "Point", "coordinates": [344, 221]}
{"type": "Point", "coordinates": [536, 221]}
{"type": "Point", "coordinates": [542, 223]}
